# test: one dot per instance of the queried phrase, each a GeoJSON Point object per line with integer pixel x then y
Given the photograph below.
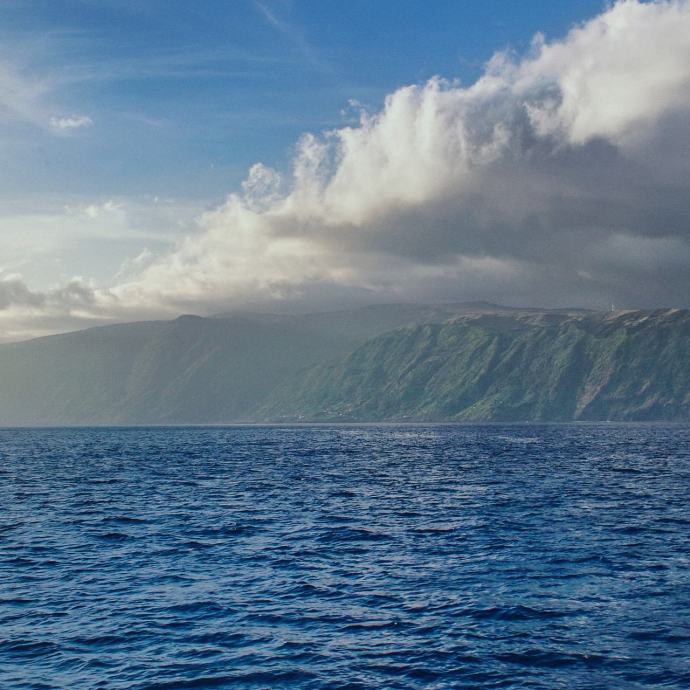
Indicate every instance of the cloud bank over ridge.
{"type": "Point", "coordinates": [559, 177]}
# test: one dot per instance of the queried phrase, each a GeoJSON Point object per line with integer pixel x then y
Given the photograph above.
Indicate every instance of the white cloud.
{"type": "Point", "coordinates": [431, 177]}
{"type": "Point", "coordinates": [46, 240]}
{"type": "Point", "coordinates": [543, 182]}
{"type": "Point", "coordinates": [25, 312]}
{"type": "Point", "coordinates": [619, 71]}
{"type": "Point", "coordinates": [68, 123]}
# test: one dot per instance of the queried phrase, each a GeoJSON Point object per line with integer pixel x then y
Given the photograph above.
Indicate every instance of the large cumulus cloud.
{"type": "Point", "coordinates": [559, 177]}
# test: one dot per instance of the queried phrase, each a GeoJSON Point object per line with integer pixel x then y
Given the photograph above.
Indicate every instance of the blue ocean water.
{"type": "Point", "coordinates": [524, 556]}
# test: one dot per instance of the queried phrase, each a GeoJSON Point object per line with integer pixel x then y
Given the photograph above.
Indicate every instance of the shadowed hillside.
{"type": "Point", "coordinates": [189, 370]}
{"type": "Point", "coordinates": [393, 362]}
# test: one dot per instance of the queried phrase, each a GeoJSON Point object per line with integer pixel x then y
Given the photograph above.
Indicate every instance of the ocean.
{"type": "Point", "coordinates": [488, 556]}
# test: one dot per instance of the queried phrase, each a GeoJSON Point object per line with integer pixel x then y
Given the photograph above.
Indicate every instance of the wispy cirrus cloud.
{"type": "Point", "coordinates": [25, 98]}
{"type": "Point", "coordinates": [294, 35]}
{"type": "Point", "coordinates": [21, 96]}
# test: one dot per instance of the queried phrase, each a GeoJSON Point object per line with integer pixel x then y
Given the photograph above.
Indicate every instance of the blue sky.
{"type": "Point", "coordinates": [185, 96]}
{"type": "Point", "coordinates": [163, 157]}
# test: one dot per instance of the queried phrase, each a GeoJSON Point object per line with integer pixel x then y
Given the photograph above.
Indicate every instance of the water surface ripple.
{"type": "Point", "coordinates": [345, 557]}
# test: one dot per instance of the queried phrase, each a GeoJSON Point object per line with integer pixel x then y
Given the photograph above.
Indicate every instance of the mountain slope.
{"type": "Point", "coordinates": [623, 366]}
{"type": "Point", "coordinates": [190, 370]}
{"type": "Point", "coordinates": [185, 371]}
{"type": "Point", "coordinates": [393, 362]}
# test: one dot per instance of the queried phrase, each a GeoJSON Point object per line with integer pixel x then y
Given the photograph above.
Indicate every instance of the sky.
{"type": "Point", "coordinates": [171, 157]}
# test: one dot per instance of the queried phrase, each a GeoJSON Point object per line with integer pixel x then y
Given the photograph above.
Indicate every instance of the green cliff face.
{"type": "Point", "coordinates": [395, 363]}
{"type": "Point", "coordinates": [626, 366]}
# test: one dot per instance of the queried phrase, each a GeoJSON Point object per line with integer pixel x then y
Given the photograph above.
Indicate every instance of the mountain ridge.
{"type": "Point", "coordinates": [544, 367]}
{"type": "Point", "coordinates": [461, 362]}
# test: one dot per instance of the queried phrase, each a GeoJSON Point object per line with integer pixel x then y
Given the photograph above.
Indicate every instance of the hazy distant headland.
{"type": "Point", "coordinates": [401, 362]}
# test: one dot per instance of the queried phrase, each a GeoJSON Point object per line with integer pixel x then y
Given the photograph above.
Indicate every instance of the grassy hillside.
{"type": "Point", "coordinates": [626, 366]}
